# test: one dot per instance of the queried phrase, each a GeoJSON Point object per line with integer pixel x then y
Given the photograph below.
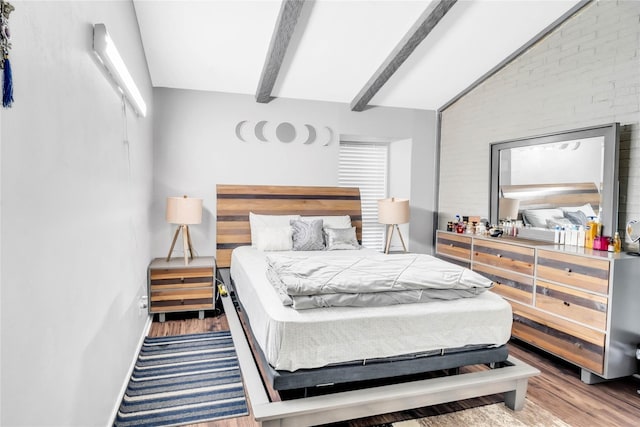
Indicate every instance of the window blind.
{"type": "Point", "coordinates": [365, 166]}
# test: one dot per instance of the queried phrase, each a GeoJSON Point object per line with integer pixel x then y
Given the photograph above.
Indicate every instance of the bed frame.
{"type": "Point", "coordinates": [510, 379]}
{"type": "Point", "coordinates": [234, 202]}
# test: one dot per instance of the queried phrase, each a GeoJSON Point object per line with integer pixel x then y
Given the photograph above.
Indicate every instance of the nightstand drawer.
{"type": "Point", "coordinates": [181, 282]}
{"type": "Point", "coordinates": [504, 255]}
{"type": "Point", "coordinates": [510, 285]}
{"type": "Point", "coordinates": [178, 274]}
{"type": "Point", "coordinates": [458, 246]}
{"type": "Point", "coordinates": [576, 305]}
{"type": "Point", "coordinates": [582, 272]}
{"type": "Point", "coordinates": [179, 300]}
{"type": "Point", "coordinates": [578, 344]}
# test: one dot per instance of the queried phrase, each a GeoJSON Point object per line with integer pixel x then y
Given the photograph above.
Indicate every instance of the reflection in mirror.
{"type": "Point", "coordinates": [633, 231]}
{"type": "Point", "coordinates": [559, 179]}
{"type": "Point", "coordinates": [567, 173]}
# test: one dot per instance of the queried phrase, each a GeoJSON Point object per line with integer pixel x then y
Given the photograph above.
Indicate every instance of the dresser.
{"type": "Point", "coordinates": [576, 303]}
{"type": "Point", "coordinates": [174, 286]}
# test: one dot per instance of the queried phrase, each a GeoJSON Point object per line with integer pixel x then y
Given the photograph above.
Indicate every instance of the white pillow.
{"type": "Point", "coordinates": [259, 222]}
{"type": "Point", "coordinates": [277, 238]}
{"type": "Point", "coordinates": [335, 221]}
{"type": "Point", "coordinates": [586, 209]}
{"type": "Point", "coordinates": [539, 217]}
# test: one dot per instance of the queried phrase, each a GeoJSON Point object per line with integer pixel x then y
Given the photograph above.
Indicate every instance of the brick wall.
{"type": "Point", "coordinates": [585, 73]}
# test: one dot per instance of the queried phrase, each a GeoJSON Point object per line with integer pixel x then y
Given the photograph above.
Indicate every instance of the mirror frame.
{"type": "Point", "coordinates": [610, 186]}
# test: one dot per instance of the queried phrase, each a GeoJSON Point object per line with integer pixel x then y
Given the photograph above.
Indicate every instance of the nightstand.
{"type": "Point", "coordinates": [175, 287]}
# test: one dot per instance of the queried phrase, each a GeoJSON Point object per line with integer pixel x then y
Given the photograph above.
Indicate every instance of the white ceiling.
{"type": "Point", "coordinates": [337, 46]}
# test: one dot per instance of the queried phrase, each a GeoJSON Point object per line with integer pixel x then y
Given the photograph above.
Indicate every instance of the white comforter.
{"type": "Point", "coordinates": [305, 281]}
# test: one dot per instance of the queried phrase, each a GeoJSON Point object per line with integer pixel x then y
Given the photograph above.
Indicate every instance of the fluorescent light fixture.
{"type": "Point", "coordinates": [108, 55]}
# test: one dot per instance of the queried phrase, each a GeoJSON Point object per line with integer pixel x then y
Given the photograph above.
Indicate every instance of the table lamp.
{"type": "Point", "coordinates": [393, 212]}
{"type": "Point", "coordinates": [183, 211]}
{"type": "Point", "coordinates": [508, 208]}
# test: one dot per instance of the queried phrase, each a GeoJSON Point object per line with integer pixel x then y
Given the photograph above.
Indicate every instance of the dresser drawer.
{"type": "Point", "coordinates": [579, 271]}
{"type": "Point", "coordinates": [181, 300]}
{"type": "Point", "coordinates": [454, 245]}
{"type": "Point", "coordinates": [577, 344]}
{"type": "Point", "coordinates": [510, 285]}
{"type": "Point", "coordinates": [503, 255]}
{"type": "Point", "coordinates": [574, 304]}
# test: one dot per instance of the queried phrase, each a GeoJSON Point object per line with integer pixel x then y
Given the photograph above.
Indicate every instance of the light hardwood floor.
{"type": "Point", "coordinates": [558, 389]}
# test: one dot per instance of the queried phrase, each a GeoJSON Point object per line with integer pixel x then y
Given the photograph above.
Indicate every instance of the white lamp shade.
{"type": "Point", "coordinates": [508, 208]}
{"type": "Point", "coordinates": [393, 211]}
{"type": "Point", "coordinates": [184, 210]}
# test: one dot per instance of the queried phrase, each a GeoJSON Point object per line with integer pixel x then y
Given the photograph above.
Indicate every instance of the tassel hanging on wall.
{"type": "Point", "coordinates": [5, 45]}
{"type": "Point", "coordinates": [7, 85]}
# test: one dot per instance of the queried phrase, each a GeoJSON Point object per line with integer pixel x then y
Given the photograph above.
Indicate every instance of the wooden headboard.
{"type": "Point", "coordinates": [542, 196]}
{"type": "Point", "coordinates": [234, 202]}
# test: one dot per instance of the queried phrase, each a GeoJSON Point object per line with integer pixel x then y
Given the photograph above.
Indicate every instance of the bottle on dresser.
{"type": "Point", "coordinates": [590, 232]}
{"type": "Point", "coordinates": [617, 243]}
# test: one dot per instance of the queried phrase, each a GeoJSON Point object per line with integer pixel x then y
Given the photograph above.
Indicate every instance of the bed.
{"type": "Point", "coordinates": [282, 348]}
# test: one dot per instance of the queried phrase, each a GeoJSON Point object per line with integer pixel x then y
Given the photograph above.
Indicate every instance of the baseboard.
{"type": "Point", "coordinates": [123, 389]}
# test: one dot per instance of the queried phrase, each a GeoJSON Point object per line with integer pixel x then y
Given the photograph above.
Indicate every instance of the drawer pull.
{"type": "Point", "coordinates": [566, 303]}
{"type": "Point", "coordinates": [577, 344]}
{"type": "Point", "coordinates": [568, 270]}
{"type": "Point", "coordinates": [451, 244]}
{"type": "Point", "coordinates": [499, 255]}
{"type": "Point", "coordinates": [181, 302]}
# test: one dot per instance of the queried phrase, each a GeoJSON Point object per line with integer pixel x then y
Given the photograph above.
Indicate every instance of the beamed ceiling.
{"type": "Point", "coordinates": [411, 54]}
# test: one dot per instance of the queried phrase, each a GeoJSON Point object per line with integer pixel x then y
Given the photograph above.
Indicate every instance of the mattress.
{"type": "Point", "coordinates": [305, 339]}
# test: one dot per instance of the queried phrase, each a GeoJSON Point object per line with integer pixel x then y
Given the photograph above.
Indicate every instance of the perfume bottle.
{"type": "Point", "coordinates": [617, 243]}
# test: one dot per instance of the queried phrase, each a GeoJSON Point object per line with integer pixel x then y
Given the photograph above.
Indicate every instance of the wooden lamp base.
{"type": "Point", "coordinates": [390, 228]}
{"type": "Point", "coordinates": [186, 243]}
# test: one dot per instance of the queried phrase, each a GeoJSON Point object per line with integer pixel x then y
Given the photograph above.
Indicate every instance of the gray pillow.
{"type": "Point", "coordinates": [577, 217]}
{"type": "Point", "coordinates": [341, 238]}
{"type": "Point", "coordinates": [307, 236]}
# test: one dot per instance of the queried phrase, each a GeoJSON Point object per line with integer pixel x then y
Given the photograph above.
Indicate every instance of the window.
{"type": "Point", "coordinates": [365, 165]}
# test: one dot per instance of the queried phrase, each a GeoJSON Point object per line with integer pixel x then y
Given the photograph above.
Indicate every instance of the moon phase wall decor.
{"type": "Point", "coordinates": [265, 131]}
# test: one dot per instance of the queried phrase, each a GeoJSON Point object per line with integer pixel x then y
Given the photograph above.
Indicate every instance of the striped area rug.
{"type": "Point", "coordinates": [184, 379]}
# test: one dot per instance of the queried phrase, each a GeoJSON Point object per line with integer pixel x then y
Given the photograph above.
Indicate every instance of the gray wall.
{"type": "Point", "coordinates": [75, 217]}
{"type": "Point", "coordinates": [196, 147]}
{"type": "Point", "coordinates": [587, 72]}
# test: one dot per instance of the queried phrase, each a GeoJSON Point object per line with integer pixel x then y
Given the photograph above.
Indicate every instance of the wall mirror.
{"type": "Point", "coordinates": [551, 177]}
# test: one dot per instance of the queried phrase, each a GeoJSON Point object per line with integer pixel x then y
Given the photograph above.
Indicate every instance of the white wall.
{"type": "Point", "coordinates": [196, 147]}
{"type": "Point", "coordinates": [75, 217]}
{"type": "Point", "coordinates": [585, 73]}
{"type": "Point", "coordinates": [423, 179]}
{"type": "Point", "coordinates": [400, 185]}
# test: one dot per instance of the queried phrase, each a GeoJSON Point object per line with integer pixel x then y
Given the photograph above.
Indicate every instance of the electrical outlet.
{"type": "Point", "coordinates": [143, 303]}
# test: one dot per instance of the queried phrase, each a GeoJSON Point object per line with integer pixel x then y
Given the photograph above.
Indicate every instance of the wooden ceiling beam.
{"type": "Point", "coordinates": [285, 25]}
{"type": "Point", "coordinates": [422, 27]}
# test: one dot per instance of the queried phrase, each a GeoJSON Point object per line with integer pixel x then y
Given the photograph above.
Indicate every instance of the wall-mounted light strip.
{"type": "Point", "coordinates": [108, 55]}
